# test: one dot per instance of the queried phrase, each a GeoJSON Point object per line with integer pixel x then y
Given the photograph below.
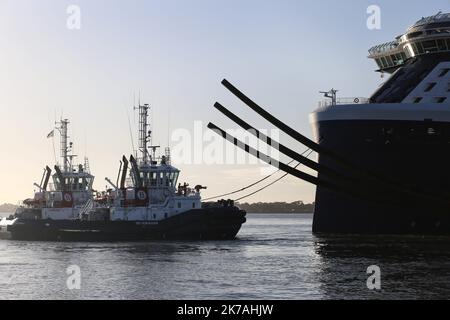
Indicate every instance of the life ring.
{"type": "Point", "coordinates": [356, 100]}
{"type": "Point", "coordinates": [141, 195]}
{"type": "Point", "coordinates": [67, 197]}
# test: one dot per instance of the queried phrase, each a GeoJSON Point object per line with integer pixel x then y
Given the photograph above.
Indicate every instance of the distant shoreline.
{"type": "Point", "coordinates": [7, 208]}
{"type": "Point", "coordinates": [290, 213]}
{"type": "Point", "coordinates": [297, 207]}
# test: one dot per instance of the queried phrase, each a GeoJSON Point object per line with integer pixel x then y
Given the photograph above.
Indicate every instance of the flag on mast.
{"type": "Point", "coordinates": [51, 134]}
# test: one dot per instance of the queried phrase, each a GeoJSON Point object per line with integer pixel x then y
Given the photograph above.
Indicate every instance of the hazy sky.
{"type": "Point", "coordinates": [281, 53]}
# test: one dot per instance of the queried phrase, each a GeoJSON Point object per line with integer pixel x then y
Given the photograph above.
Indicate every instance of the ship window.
{"type": "Point", "coordinates": [153, 179]}
{"type": "Point", "coordinates": [179, 205]}
{"type": "Point", "coordinates": [430, 86]}
{"type": "Point", "coordinates": [431, 131]}
{"type": "Point", "coordinates": [193, 205]}
{"type": "Point", "coordinates": [389, 61]}
{"type": "Point", "coordinates": [380, 65]}
{"type": "Point", "coordinates": [418, 48]}
{"type": "Point", "coordinates": [444, 72]}
{"type": "Point", "coordinates": [440, 99]}
{"type": "Point", "coordinates": [394, 59]}
{"type": "Point", "coordinates": [418, 99]}
{"type": "Point", "coordinates": [448, 87]}
{"type": "Point", "coordinates": [404, 57]}
{"type": "Point", "coordinates": [430, 46]}
{"type": "Point", "coordinates": [384, 62]}
{"type": "Point", "coordinates": [414, 34]}
{"type": "Point", "coordinates": [399, 59]}
{"type": "Point", "coordinates": [166, 179]}
{"type": "Point", "coordinates": [441, 44]}
{"type": "Point", "coordinates": [161, 178]}
{"type": "Point", "coordinates": [448, 43]}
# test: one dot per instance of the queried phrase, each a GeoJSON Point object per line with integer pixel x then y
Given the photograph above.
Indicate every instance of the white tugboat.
{"type": "Point", "coordinates": [69, 195]}
{"type": "Point", "coordinates": [145, 203]}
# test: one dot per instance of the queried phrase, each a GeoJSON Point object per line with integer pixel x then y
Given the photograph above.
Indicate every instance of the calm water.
{"type": "Point", "coordinates": [275, 257]}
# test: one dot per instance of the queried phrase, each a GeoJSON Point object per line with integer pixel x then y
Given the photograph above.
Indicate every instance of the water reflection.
{"type": "Point", "coordinates": [412, 267]}
{"type": "Point", "coordinates": [275, 257]}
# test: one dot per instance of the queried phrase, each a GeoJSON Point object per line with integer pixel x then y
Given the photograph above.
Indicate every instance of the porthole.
{"type": "Point", "coordinates": [430, 86]}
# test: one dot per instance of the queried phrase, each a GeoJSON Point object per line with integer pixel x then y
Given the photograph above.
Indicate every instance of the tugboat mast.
{"type": "Point", "coordinates": [145, 136]}
{"type": "Point", "coordinates": [62, 128]}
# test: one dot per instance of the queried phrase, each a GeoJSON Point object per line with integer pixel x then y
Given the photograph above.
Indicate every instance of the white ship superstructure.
{"type": "Point", "coordinates": [153, 193]}
{"type": "Point", "coordinates": [70, 190]}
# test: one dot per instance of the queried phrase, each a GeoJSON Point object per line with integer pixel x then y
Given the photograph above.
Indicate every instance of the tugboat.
{"type": "Point", "coordinates": [145, 203]}
{"type": "Point", "coordinates": [69, 195]}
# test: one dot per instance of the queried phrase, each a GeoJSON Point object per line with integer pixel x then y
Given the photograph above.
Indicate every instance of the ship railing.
{"type": "Point", "coordinates": [86, 208]}
{"type": "Point", "coordinates": [342, 101]}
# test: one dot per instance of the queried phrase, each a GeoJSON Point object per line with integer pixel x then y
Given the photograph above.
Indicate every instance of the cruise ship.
{"type": "Point", "coordinates": [383, 162]}
{"type": "Point", "coordinates": [396, 142]}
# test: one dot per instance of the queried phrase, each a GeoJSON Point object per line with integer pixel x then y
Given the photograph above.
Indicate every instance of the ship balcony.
{"type": "Point", "coordinates": [343, 101]}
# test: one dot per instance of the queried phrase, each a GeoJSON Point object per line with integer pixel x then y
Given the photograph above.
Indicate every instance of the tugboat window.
{"type": "Point", "coordinates": [418, 99]}
{"type": "Point", "coordinates": [168, 179]}
{"type": "Point", "coordinates": [441, 99]}
{"type": "Point", "coordinates": [153, 179]}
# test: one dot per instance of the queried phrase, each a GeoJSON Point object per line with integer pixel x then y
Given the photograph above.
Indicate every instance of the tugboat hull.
{"type": "Point", "coordinates": [197, 224]}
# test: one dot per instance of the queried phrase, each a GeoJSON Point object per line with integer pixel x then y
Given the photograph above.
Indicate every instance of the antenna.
{"type": "Point", "coordinates": [330, 94]}
{"type": "Point", "coordinates": [131, 132]}
{"type": "Point", "coordinates": [85, 143]}
{"type": "Point", "coordinates": [168, 127]}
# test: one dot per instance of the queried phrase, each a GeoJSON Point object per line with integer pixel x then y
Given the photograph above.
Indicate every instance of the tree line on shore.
{"type": "Point", "coordinates": [259, 207]}
{"type": "Point", "coordinates": [7, 208]}
{"type": "Point", "coordinates": [278, 207]}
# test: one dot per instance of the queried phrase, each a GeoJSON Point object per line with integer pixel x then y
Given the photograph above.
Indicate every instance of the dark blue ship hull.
{"type": "Point", "coordinates": [198, 224]}
{"type": "Point", "coordinates": [416, 153]}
